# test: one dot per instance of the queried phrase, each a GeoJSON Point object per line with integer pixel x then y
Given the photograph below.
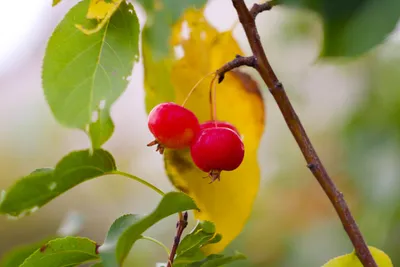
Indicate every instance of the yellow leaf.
{"type": "Point", "coordinates": [229, 202]}
{"type": "Point", "coordinates": [157, 77]}
{"type": "Point", "coordinates": [351, 260]}
{"type": "Point", "coordinates": [101, 10]}
{"type": "Point", "coordinates": [55, 2]}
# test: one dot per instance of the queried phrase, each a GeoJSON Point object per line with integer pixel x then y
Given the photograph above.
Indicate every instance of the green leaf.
{"type": "Point", "coordinates": [17, 255]}
{"type": "Point", "coordinates": [38, 188]}
{"type": "Point", "coordinates": [215, 260]}
{"type": "Point", "coordinates": [61, 252]}
{"type": "Point", "coordinates": [353, 27]}
{"type": "Point", "coordinates": [351, 260]}
{"type": "Point", "coordinates": [161, 16]}
{"type": "Point", "coordinates": [126, 230]}
{"type": "Point", "coordinates": [200, 236]}
{"type": "Point", "coordinates": [98, 264]}
{"type": "Point", "coordinates": [101, 130]}
{"type": "Point", "coordinates": [83, 74]}
{"type": "Point", "coordinates": [189, 250]}
{"type": "Point", "coordinates": [119, 226]}
{"type": "Point", "coordinates": [158, 54]}
{"type": "Point", "coordinates": [55, 2]}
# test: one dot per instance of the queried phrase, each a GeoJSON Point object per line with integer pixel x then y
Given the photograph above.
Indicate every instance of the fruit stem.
{"type": "Point", "coordinates": [140, 180]}
{"type": "Point", "coordinates": [213, 98]}
{"type": "Point", "coordinates": [195, 86]}
{"type": "Point", "coordinates": [157, 242]}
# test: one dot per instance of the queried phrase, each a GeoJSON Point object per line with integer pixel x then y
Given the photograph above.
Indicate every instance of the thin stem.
{"type": "Point", "coordinates": [258, 8]}
{"type": "Point", "coordinates": [247, 19]}
{"type": "Point", "coordinates": [181, 225]}
{"type": "Point", "coordinates": [140, 180]}
{"type": "Point", "coordinates": [158, 243]}
{"type": "Point", "coordinates": [194, 88]}
{"type": "Point", "coordinates": [213, 98]}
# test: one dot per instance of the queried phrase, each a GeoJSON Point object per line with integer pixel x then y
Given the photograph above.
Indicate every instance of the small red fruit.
{"type": "Point", "coordinates": [173, 126]}
{"type": "Point", "coordinates": [212, 124]}
{"type": "Point", "coordinates": [217, 149]}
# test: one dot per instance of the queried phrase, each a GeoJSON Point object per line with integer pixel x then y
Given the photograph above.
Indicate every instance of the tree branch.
{"type": "Point", "coordinates": [258, 8]}
{"type": "Point", "coordinates": [237, 62]}
{"type": "Point", "coordinates": [181, 225]}
{"type": "Point", "coordinates": [262, 65]}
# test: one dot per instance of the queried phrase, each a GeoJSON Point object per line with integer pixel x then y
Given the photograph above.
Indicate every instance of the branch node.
{"type": "Point", "coordinates": [278, 85]}
{"type": "Point", "coordinates": [258, 8]}
{"type": "Point", "coordinates": [221, 77]}
{"type": "Point", "coordinates": [311, 166]}
{"type": "Point", "coordinates": [235, 63]}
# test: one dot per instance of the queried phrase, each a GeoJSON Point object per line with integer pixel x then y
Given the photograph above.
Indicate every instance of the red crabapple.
{"type": "Point", "coordinates": [211, 124]}
{"type": "Point", "coordinates": [173, 126]}
{"type": "Point", "coordinates": [217, 149]}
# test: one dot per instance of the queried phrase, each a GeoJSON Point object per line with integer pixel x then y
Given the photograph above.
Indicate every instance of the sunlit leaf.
{"type": "Point", "coordinates": [351, 260]}
{"type": "Point", "coordinates": [98, 9]}
{"type": "Point", "coordinates": [158, 53]}
{"type": "Point", "coordinates": [67, 251]}
{"type": "Point", "coordinates": [227, 203]}
{"type": "Point", "coordinates": [84, 75]}
{"type": "Point", "coordinates": [17, 255]}
{"type": "Point", "coordinates": [353, 27]}
{"type": "Point", "coordinates": [101, 10]}
{"type": "Point", "coordinates": [38, 188]}
{"type": "Point", "coordinates": [126, 230]}
{"type": "Point", "coordinates": [157, 78]}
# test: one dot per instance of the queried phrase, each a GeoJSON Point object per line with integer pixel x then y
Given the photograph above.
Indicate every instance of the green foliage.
{"type": "Point", "coordinates": [67, 251]}
{"type": "Point", "coordinates": [83, 75]}
{"type": "Point", "coordinates": [215, 260]}
{"type": "Point", "coordinates": [128, 229]}
{"type": "Point", "coordinates": [17, 256]}
{"type": "Point", "coordinates": [38, 188]}
{"type": "Point", "coordinates": [158, 54]}
{"type": "Point", "coordinates": [352, 27]}
{"type": "Point", "coordinates": [189, 252]}
{"type": "Point", "coordinates": [162, 15]}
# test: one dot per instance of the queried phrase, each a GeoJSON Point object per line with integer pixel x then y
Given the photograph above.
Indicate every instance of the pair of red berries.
{"type": "Point", "coordinates": [215, 146]}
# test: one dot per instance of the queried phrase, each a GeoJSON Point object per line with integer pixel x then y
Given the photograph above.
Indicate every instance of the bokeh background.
{"type": "Point", "coordinates": [350, 108]}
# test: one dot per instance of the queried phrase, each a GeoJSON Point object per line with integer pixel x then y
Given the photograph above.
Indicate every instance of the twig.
{"type": "Point", "coordinates": [258, 8]}
{"type": "Point", "coordinates": [237, 62]}
{"type": "Point", "coordinates": [261, 64]}
{"type": "Point", "coordinates": [181, 225]}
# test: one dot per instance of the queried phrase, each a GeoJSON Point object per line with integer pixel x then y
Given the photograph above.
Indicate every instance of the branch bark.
{"type": "Point", "coordinates": [180, 226]}
{"type": "Point", "coordinates": [262, 65]}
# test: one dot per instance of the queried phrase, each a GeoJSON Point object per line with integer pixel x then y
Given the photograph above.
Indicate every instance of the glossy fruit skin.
{"type": "Point", "coordinates": [173, 126]}
{"type": "Point", "coordinates": [213, 124]}
{"type": "Point", "coordinates": [217, 149]}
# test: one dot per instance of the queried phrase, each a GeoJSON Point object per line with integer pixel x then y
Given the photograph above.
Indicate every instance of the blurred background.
{"type": "Point", "coordinates": [351, 110]}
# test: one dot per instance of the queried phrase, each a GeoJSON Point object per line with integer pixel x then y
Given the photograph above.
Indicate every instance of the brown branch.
{"type": "Point", "coordinates": [181, 225]}
{"type": "Point", "coordinates": [258, 8]}
{"type": "Point", "coordinates": [247, 19]}
{"type": "Point", "coordinates": [237, 62]}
